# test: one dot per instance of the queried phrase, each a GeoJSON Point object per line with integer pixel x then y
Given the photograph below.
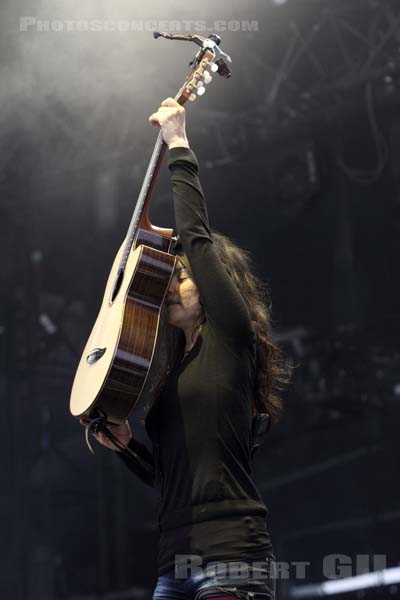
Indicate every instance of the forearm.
{"type": "Point", "coordinates": [140, 461]}
{"type": "Point", "coordinates": [191, 218]}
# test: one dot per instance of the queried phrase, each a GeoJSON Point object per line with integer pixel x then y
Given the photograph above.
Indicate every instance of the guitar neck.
{"type": "Point", "coordinates": [145, 194]}
{"type": "Point", "coordinates": [139, 218]}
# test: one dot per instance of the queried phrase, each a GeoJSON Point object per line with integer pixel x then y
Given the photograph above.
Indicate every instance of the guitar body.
{"type": "Point", "coordinates": [117, 357]}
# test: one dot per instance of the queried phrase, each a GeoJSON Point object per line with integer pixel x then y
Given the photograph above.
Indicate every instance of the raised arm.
{"type": "Point", "coordinates": [225, 308]}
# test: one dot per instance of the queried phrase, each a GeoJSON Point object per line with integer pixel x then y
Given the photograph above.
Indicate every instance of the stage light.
{"type": "Point", "coordinates": [348, 584]}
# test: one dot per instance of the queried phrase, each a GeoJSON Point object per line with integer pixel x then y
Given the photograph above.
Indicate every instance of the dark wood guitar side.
{"type": "Point", "coordinates": [117, 357]}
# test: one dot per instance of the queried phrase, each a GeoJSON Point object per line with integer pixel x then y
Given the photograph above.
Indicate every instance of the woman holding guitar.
{"type": "Point", "coordinates": [221, 379]}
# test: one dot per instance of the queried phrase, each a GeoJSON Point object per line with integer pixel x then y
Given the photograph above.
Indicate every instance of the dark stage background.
{"type": "Point", "coordinates": [299, 156]}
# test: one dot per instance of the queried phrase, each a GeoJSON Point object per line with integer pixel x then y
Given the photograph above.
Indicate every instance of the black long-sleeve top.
{"type": "Point", "coordinates": [200, 427]}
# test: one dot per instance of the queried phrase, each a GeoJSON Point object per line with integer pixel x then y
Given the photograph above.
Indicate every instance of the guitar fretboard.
{"type": "Point", "coordinates": [143, 194]}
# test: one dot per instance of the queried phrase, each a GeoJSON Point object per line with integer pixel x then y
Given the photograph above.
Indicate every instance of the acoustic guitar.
{"type": "Point", "coordinates": [117, 357]}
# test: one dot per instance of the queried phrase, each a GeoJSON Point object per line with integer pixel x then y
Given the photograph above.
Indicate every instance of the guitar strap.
{"type": "Point", "coordinates": [98, 424]}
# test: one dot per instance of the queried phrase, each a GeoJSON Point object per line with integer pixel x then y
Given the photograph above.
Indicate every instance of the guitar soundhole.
{"type": "Point", "coordinates": [117, 285]}
{"type": "Point", "coordinates": [95, 355]}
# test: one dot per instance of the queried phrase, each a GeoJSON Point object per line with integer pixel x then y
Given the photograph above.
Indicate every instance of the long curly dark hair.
{"type": "Point", "coordinates": [273, 372]}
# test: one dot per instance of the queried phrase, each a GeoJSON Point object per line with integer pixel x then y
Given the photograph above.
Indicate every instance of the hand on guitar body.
{"type": "Point", "coordinates": [170, 116]}
{"type": "Point", "coordinates": [122, 432]}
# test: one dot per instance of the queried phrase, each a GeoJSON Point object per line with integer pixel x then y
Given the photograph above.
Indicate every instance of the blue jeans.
{"type": "Point", "coordinates": [257, 582]}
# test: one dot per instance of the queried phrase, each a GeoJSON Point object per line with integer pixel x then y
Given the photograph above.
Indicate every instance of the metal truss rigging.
{"type": "Point", "coordinates": [327, 53]}
{"type": "Point", "coordinates": [317, 60]}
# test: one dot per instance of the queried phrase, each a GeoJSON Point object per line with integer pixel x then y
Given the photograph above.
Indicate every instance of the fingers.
{"type": "Point", "coordinates": [159, 117]}
{"type": "Point", "coordinates": [164, 111]}
{"type": "Point", "coordinates": [100, 437]}
{"type": "Point", "coordinates": [170, 102]}
{"type": "Point", "coordinates": [155, 119]}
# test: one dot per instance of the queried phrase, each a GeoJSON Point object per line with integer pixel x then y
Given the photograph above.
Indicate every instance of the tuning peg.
{"type": "Point", "coordinates": [192, 97]}
{"type": "Point", "coordinates": [201, 90]}
{"type": "Point", "coordinates": [214, 68]}
{"type": "Point", "coordinates": [207, 77]}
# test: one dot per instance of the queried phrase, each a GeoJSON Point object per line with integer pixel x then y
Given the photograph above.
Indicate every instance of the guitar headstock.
{"type": "Point", "coordinates": [205, 61]}
{"type": "Point", "coordinates": [198, 78]}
